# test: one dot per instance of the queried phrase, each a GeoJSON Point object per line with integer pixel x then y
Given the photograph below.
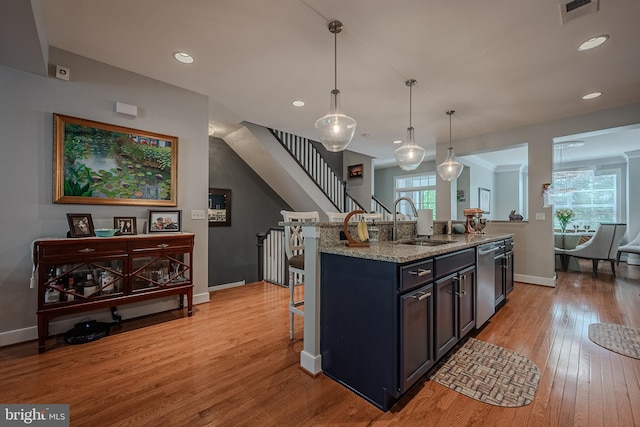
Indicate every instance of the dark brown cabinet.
{"type": "Point", "coordinates": [77, 275]}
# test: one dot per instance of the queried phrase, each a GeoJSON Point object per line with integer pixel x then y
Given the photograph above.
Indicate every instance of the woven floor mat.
{"type": "Point", "coordinates": [618, 338]}
{"type": "Point", "coordinates": [489, 374]}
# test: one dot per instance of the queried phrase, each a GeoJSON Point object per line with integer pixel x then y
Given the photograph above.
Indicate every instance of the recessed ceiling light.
{"type": "Point", "coordinates": [593, 42]}
{"type": "Point", "coordinates": [183, 57]}
{"type": "Point", "coordinates": [592, 95]}
{"type": "Point", "coordinates": [298, 103]}
{"type": "Point", "coordinates": [397, 141]}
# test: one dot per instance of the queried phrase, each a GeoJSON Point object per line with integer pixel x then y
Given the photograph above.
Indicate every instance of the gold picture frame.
{"type": "Point", "coordinates": [102, 164]}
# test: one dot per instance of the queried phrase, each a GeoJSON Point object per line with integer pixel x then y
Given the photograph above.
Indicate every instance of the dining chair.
{"type": "Point", "coordinates": [633, 247]}
{"type": "Point", "coordinates": [294, 250]}
{"type": "Point", "coordinates": [602, 246]}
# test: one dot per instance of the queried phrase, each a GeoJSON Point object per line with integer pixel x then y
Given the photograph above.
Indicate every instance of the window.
{"type": "Point", "coordinates": [594, 198]}
{"type": "Point", "coordinates": [419, 188]}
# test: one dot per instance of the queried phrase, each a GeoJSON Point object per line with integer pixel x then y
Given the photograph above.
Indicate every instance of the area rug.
{"type": "Point", "coordinates": [489, 373]}
{"type": "Point", "coordinates": [618, 338]}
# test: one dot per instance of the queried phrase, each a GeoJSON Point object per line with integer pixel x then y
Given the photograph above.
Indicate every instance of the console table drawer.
{"type": "Point", "coordinates": [172, 243]}
{"type": "Point", "coordinates": [87, 248]}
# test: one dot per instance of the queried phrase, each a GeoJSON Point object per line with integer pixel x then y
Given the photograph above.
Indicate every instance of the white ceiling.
{"type": "Point", "coordinates": [500, 63]}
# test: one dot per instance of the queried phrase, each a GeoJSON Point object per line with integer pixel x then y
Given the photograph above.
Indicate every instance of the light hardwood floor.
{"type": "Point", "coordinates": [233, 364]}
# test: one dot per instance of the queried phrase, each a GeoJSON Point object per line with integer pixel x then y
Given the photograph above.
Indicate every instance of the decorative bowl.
{"type": "Point", "coordinates": [105, 232]}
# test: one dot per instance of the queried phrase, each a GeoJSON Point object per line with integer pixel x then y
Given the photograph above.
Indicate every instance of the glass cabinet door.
{"type": "Point", "coordinates": [79, 282]}
{"type": "Point", "coordinates": [160, 271]}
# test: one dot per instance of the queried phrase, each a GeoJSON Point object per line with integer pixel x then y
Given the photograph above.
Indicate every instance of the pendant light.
{"type": "Point", "coordinates": [336, 129]}
{"type": "Point", "coordinates": [450, 169]}
{"type": "Point", "coordinates": [409, 155]}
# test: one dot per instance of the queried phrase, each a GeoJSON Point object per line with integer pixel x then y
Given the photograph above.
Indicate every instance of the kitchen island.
{"type": "Point", "coordinates": [389, 311]}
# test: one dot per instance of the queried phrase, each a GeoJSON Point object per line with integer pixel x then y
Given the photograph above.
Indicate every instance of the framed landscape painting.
{"type": "Point", "coordinates": [98, 163]}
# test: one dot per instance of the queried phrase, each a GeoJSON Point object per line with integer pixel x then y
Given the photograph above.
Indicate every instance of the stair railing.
{"type": "Point", "coordinates": [316, 167]}
{"type": "Point", "coordinates": [271, 257]}
{"type": "Point", "coordinates": [379, 207]}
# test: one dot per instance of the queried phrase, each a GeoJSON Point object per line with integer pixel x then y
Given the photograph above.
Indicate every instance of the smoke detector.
{"type": "Point", "coordinates": [575, 9]}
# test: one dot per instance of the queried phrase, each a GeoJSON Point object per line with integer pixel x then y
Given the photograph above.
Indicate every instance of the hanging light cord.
{"type": "Point", "coordinates": [410, 103]}
{"type": "Point", "coordinates": [335, 59]}
{"type": "Point", "coordinates": [450, 113]}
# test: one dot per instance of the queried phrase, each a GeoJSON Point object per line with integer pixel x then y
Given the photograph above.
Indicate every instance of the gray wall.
{"type": "Point", "coordinates": [384, 181]}
{"type": "Point", "coordinates": [507, 195]}
{"type": "Point", "coordinates": [27, 104]}
{"type": "Point", "coordinates": [255, 207]}
{"type": "Point", "coordinates": [361, 188]}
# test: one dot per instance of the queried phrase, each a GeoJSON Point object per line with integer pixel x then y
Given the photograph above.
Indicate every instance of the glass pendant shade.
{"type": "Point", "coordinates": [409, 155]}
{"type": "Point", "coordinates": [450, 169]}
{"type": "Point", "coordinates": [335, 129]}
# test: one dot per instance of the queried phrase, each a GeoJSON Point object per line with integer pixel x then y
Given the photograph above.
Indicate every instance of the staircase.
{"type": "Point", "coordinates": [294, 168]}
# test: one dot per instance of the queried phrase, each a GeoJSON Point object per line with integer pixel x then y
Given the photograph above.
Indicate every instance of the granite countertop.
{"type": "Point", "coordinates": [399, 252]}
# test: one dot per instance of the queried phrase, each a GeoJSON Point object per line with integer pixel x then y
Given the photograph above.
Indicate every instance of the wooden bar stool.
{"type": "Point", "coordinates": [294, 249]}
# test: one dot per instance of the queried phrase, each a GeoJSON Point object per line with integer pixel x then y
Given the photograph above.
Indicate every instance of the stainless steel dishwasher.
{"type": "Point", "coordinates": [485, 297]}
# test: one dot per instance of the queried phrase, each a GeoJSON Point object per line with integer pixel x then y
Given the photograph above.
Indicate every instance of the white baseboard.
{"type": "Point", "coordinates": [311, 364]}
{"type": "Point", "coordinates": [535, 280]}
{"type": "Point", "coordinates": [226, 286]}
{"type": "Point", "coordinates": [127, 311]}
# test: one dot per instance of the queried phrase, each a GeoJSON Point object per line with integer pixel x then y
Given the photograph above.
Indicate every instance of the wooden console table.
{"type": "Point", "coordinates": [76, 275]}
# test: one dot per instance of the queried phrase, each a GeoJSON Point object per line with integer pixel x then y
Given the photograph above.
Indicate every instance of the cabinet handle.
{"type": "Point", "coordinates": [423, 296]}
{"type": "Point", "coordinates": [421, 272]}
{"type": "Point", "coordinates": [462, 280]}
{"type": "Point", "coordinates": [86, 250]}
{"type": "Point", "coordinates": [163, 245]}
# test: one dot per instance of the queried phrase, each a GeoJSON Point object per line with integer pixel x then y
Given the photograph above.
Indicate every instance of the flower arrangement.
{"type": "Point", "coordinates": [564, 216]}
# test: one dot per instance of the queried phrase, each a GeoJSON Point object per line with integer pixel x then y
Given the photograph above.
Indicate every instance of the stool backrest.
{"type": "Point", "coordinates": [294, 242]}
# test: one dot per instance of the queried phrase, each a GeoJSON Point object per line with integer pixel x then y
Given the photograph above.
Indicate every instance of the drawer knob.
{"type": "Point", "coordinates": [163, 245]}
{"type": "Point", "coordinates": [86, 250]}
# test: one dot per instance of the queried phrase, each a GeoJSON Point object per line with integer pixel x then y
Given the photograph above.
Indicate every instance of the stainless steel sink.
{"type": "Point", "coordinates": [425, 242]}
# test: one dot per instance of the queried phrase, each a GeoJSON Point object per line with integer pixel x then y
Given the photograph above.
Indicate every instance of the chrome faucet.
{"type": "Point", "coordinates": [395, 219]}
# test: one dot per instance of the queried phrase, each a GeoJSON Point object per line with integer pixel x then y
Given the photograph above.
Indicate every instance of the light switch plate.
{"type": "Point", "coordinates": [540, 216]}
{"type": "Point", "coordinates": [197, 214]}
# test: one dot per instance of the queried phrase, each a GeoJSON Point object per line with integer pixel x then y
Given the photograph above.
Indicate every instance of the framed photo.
{"type": "Point", "coordinates": [484, 199]}
{"type": "Point", "coordinates": [219, 212]}
{"type": "Point", "coordinates": [159, 221]}
{"type": "Point", "coordinates": [355, 171]}
{"type": "Point", "coordinates": [126, 225]}
{"type": "Point", "coordinates": [80, 225]}
{"type": "Point", "coordinates": [101, 164]}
